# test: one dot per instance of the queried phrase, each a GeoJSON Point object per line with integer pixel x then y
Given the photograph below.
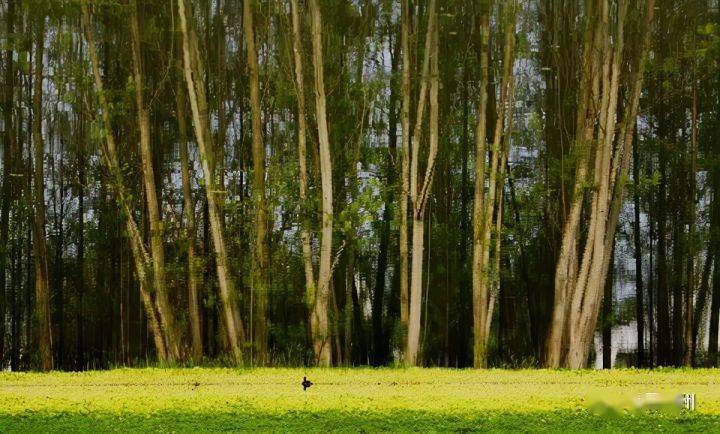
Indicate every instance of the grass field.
{"type": "Point", "coordinates": [371, 400]}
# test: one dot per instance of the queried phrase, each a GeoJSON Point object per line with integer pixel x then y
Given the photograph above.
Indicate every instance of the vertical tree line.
{"type": "Point", "coordinates": [286, 182]}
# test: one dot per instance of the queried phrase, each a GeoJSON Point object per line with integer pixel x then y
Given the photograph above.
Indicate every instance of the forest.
{"type": "Point", "coordinates": [455, 183]}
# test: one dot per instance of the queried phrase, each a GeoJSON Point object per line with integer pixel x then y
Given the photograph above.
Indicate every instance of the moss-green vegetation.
{"type": "Point", "coordinates": [183, 400]}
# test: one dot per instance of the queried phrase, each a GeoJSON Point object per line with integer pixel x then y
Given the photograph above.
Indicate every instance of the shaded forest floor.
{"type": "Point", "coordinates": [202, 399]}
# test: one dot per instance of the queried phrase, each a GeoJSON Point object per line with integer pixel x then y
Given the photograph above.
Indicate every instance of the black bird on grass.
{"type": "Point", "coordinates": [306, 383]}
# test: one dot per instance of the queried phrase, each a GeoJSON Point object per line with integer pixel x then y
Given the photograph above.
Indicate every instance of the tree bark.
{"type": "Point", "coordinates": [193, 268]}
{"type": "Point", "coordinates": [487, 214]}
{"type": "Point", "coordinates": [405, 166]}
{"type": "Point", "coordinates": [80, 277]}
{"type": "Point", "coordinates": [688, 326]}
{"type": "Point", "coordinates": [701, 302]}
{"type": "Point", "coordinates": [198, 103]}
{"type": "Point", "coordinates": [639, 294]}
{"type": "Point", "coordinates": [7, 165]}
{"type": "Point", "coordinates": [110, 159]}
{"type": "Point", "coordinates": [310, 285]}
{"type": "Point", "coordinates": [260, 258]}
{"type": "Point", "coordinates": [419, 194]}
{"type": "Point", "coordinates": [42, 287]}
{"type": "Point", "coordinates": [479, 296]}
{"type": "Point", "coordinates": [379, 345]}
{"type": "Point", "coordinates": [157, 257]}
{"type": "Point", "coordinates": [611, 162]}
{"type": "Point", "coordinates": [321, 343]}
{"type": "Point", "coordinates": [567, 263]}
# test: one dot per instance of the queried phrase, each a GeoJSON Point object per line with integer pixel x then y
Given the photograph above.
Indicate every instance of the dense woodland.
{"type": "Point", "coordinates": [334, 182]}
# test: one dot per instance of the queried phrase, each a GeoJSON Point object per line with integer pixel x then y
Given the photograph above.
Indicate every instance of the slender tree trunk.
{"type": "Point", "coordinates": [651, 280]}
{"type": "Point", "coordinates": [479, 296]}
{"type": "Point", "coordinates": [487, 214]}
{"type": "Point", "coordinates": [110, 158]}
{"type": "Point", "coordinates": [405, 166]}
{"type": "Point", "coordinates": [701, 302]}
{"type": "Point", "coordinates": [310, 285]}
{"type": "Point", "coordinates": [193, 71]}
{"type": "Point", "coordinates": [567, 263]}
{"type": "Point", "coordinates": [80, 266]}
{"type": "Point", "coordinates": [260, 258]}
{"type": "Point", "coordinates": [379, 346]}
{"type": "Point", "coordinates": [419, 194]}
{"type": "Point", "coordinates": [690, 288]}
{"type": "Point", "coordinates": [664, 337]}
{"type": "Point", "coordinates": [164, 308]}
{"type": "Point", "coordinates": [42, 287]}
{"type": "Point", "coordinates": [59, 266]}
{"type": "Point", "coordinates": [320, 338]}
{"type": "Point", "coordinates": [8, 151]}
{"type": "Point", "coordinates": [193, 269]}
{"type": "Point", "coordinates": [611, 163]}
{"type": "Point", "coordinates": [15, 300]}
{"type": "Point", "coordinates": [639, 295]}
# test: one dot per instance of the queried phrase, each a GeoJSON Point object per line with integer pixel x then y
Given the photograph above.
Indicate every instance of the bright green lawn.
{"type": "Point", "coordinates": [183, 400]}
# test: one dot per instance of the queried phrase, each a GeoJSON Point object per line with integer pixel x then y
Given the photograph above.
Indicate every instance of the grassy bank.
{"type": "Point", "coordinates": [182, 400]}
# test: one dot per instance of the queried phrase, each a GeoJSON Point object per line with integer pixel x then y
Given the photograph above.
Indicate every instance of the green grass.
{"type": "Point", "coordinates": [371, 400]}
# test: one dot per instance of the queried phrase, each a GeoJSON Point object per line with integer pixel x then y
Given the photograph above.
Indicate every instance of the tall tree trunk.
{"type": "Point", "coordinates": [690, 288]}
{"type": "Point", "coordinates": [165, 311]}
{"type": "Point", "coordinates": [110, 158]}
{"type": "Point", "coordinates": [379, 345]}
{"type": "Point", "coordinates": [639, 295]}
{"type": "Point", "coordinates": [664, 336]}
{"type": "Point", "coordinates": [405, 165]}
{"type": "Point", "coordinates": [701, 302]}
{"type": "Point", "coordinates": [193, 70]}
{"type": "Point", "coordinates": [419, 194]}
{"type": "Point", "coordinates": [310, 285]}
{"type": "Point", "coordinates": [320, 317]}
{"type": "Point", "coordinates": [15, 300]}
{"type": "Point", "coordinates": [80, 266]}
{"type": "Point", "coordinates": [42, 287]}
{"type": "Point", "coordinates": [567, 262]}
{"type": "Point", "coordinates": [611, 163]}
{"type": "Point", "coordinates": [479, 297]}
{"type": "Point", "coordinates": [59, 266]}
{"type": "Point", "coordinates": [487, 214]}
{"type": "Point", "coordinates": [651, 280]}
{"type": "Point", "coordinates": [193, 268]}
{"type": "Point", "coordinates": [260, 258]}
{"type": "Point", "coordinates": [7, 164]}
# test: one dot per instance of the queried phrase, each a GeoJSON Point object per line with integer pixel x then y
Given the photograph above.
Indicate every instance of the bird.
{"type": "Point", "coordinates": [306, 383]}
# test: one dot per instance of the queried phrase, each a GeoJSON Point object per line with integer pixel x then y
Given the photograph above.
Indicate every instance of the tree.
{"type": "Point", "coordinates": [578, 280]}
{"type": "Point", "coordinates": [260, 257]}
{"type": "Point", "coordinates": [42, 286]}
{"type": "Point", "coordinates": [405, 165]}
{"type": "Point", "coordinates": [110, 158]}
{"type": "Point", "coordinates": [9, 151]}
{"type": "Point", "coordinates": [165, 310]}
{"type": "Point", "coordinates": [193, 271]}
{"type": "Point", "coordinates": [419, 193]}
{"type": "Point", "coordinates": [193, 70]}
{"type": "Point", "coordinates": [321, 343]}
{"type": "Point", "coordinates": [487, 215]}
